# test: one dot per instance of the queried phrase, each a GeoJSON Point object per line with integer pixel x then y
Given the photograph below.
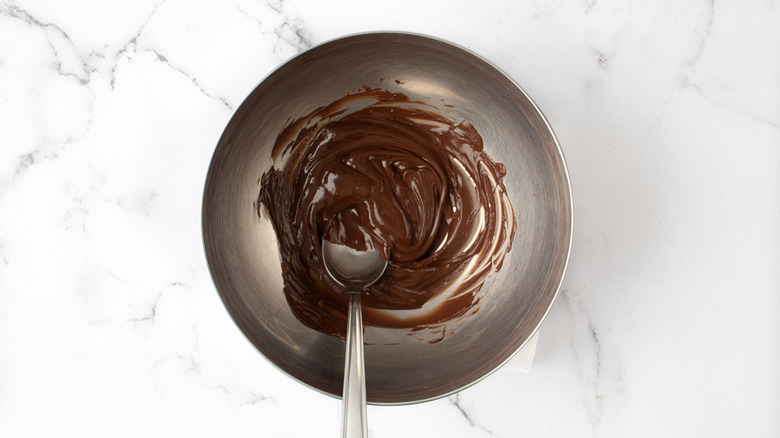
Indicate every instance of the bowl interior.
{"type": "Point", "coordinates": [242, 251]}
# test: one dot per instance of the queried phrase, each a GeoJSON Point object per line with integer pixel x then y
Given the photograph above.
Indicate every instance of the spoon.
{"type": "Point", "coordinates": [355, 270]}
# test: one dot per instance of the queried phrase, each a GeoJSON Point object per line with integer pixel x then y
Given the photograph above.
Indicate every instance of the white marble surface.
{"type": "Point", "coordinates": [669, 319]}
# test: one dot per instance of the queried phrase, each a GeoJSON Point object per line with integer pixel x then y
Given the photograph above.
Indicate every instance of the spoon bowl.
{"type": "Point", "coordinates": [355, 270]}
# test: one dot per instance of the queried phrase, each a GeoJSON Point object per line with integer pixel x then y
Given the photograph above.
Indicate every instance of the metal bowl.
{"type": "Point", "coordinates": [242, 250]}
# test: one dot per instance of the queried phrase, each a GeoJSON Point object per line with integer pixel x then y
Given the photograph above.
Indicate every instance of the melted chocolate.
{"type": "Point", "coordinates": [374, 170]}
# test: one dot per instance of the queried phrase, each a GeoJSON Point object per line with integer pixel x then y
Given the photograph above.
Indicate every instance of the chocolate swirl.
{"type": "Point", "coordinates": [374, 170]}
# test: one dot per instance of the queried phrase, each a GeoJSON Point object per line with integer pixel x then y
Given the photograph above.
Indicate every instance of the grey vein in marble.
{"type": "Point", "coordinates": [131, 48]}
{"type": "Point", "coordinates": [455, 400]}
{"type": "Point", "coordinates": [588, 347]}
{"type": "Point", "coordinates": [704, 95]}
{"type": "Point", "coordinates": [58, 40]}
{"type": "Point", "coordinates": [192, 79]}
{"type": "Point", "coordinates": [2, 254]}
{"type": "Point", "coordinates": [696, 47]}
{"type": "Point", "coordinates": [700, 34]}
{"type": "Point", "coordinates": [64, 53]}
{"type": "Point", "coordinates": [132, 42]}
{"type": "Point", "coordinates": [294, 35]}
{"type": "Point", "coordinates": [602, 59]}
{"type": "Point", "coordinates": [47, 150]}
{"type": "Point", "coordinates": [290, 32]}
{"type": "Point", "coordinates": [151, 313]}
{"type": "Point", "coordinates": [82, 201]}
{"type": "Point", "coordinates": [248, 397]}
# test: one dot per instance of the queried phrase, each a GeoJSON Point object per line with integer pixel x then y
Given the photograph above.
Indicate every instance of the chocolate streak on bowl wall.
{"type": "Point", "coordinates": [374, 170]}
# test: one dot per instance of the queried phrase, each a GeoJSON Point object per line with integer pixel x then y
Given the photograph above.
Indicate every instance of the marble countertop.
{"type": "Point", "coordinates": [668, 323]}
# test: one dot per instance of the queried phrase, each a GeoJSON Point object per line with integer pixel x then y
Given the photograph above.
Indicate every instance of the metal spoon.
{"type": "Point", "coordinates": [355, 270]}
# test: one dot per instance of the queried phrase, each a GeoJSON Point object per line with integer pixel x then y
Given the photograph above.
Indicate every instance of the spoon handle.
{"type": "Point", "coordinates": [353, 414]}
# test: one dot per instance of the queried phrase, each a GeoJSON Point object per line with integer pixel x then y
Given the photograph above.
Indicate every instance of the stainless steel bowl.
{"type": "Point", "coordinates": [242, 252]}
